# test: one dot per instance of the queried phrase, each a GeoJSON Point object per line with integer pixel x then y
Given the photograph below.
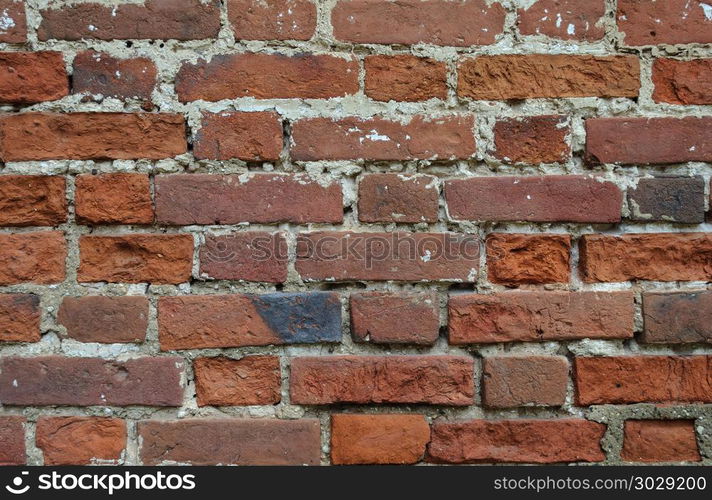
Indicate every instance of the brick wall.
{"type": "Point", "coordinates": [355, 231]}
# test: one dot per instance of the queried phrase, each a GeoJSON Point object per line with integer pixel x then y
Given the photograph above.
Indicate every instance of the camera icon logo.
{"type": "Point", "coordinates": [16, 488]}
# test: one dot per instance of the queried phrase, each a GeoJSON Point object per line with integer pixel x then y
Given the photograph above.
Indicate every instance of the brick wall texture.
{"type": "Point", "coordinates": [355, 232]}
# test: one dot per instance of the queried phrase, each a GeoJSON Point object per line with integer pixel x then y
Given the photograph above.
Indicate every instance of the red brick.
{"type": "Point", "coordinates": [184, 199]}
{"type": "Point", "coordinates": [252, 380]}
{"type": "Point", "coordinates": [66, 381]}
{"type": "Point", "coordinates": [668, 199]}
{"type": "Point", "coordinates": [539, 316]}
{"type": "Point", "coordinates": [551, 198]}
{"type": "Point", "coordinates": [113, 199]}
{"type": "Point", "coordinates": [516, 441]}
{"type": "Point", "coordinates": [273, 20]}
{"type": "Point", "coordinates": [648, 140]}
{"type": "Point", "coordinates": [14, 21]}
{"type": "Point", "coordinates": [519, 259]}
{"type": "Point", "coordinates": [643, 379]}
{"type": "Point", "coordinates": [230, 442]}
{"type": "Point", "coordinates": [136, 258]}
{"type": "Point", "coordinates": [511, 381]}
{"type": "Point", "coordinates": [564, 19]}
{"type": "Point", "coordinates": [107, 320]}
{"type": "Point", "coordinates": [378, 439]}
{"type": "Point", "coordinates": [660, 441]}
{"type": "Point", "coordinates": [20, 317]}
{"type": "Point", "coordinates": [438, 380]}
{"type": "Point", "coordinates": [398, 198]}
{"type": "Point", "coordinates": [405, 78]}
{"type": "Point", "coordinates": [420, 138]}
{"type": "Point", "coordinates": [395, 318]}
{"type": "Point", "coordinates": [647, 22]}
{"type": "Point", "coordinates": [249, 256]}
{"type": "Point", "coordinates": [32, 258]}
{"type": "Point", "coordinates": [245, 136]}
{"type": "Point", "coordinates": [32, 200]}
{"type": "Point", "coordinates": [98, 73]}
{"type": "Point", "coordinates": [209, 321]}
{"type": "Point", "coordinates": [12, 437]}
{"type": "Point", "coordinates": [91, 136]}
{"type": "Point", "coordinates": [682, 82]}
{"type": "Point", "coordinates": [649, 256]}
{"type": "Point", "coordinates": [437, 22]}
{"type": "Point", "coordinates": [677, 318]}
{"type": "Point", "coordinates": [81, 440]}
{"type": "Point", "coordinates": [29, 77]}
{"type": "Point", "coordinates": [267, 76]}
{"type": "Point", "coordinates": [532, 139]}
{"type": "Point", "coordinates": [504, 77]}
{"type": "Point", "coordinates": [154, 19]}
{"type": "Point", "coordinates": [399, 256]}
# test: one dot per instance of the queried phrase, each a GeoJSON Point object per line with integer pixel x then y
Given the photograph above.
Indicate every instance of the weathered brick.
{"type": "Point", "coordinates": [13, 25]}
{"type": "Point", "coordinates": [107, 320]}
{"type": "Point", "coordinates": [249, 256]}
{"type": "Point", "coordinates": [58, 380]}
{"type": "Point", "coordinates": [502, 77]}
{"type": "Point", "coordinates": [81, 440]}
{"type": "Point", "coordinates": [677, 318]}
{"type": "Point", "coordinates": [565, 19]}
{"type": "Point", "coordinates": [261, 198]}
{"type": "Point", "coordinates": [660, 441]}
{"type": "Point", "coordinates": [19, 317]}
{"type": "Point", "coordinates": [642, 379]}
{"type": "Point", "coordinates": [532, 139]}
{"type": "Point", "coordinates": [378, 139]}
{"type": "Point", "coordinates": [252, 380]}
{"type": "Point", "coordinates": [647, 22]}
{"type": "Point", "coordinates": [439, 380]}
{"type": "Point", "coordinates": [437, 22]}
{"type": "Point", "coordinates": [517, 441]}
{"type": "Point", "coordinates": [99, 73]}
{"type": "Point", "coordinates": [32, 258]}
{"type": "Point", "coordinates": [399, 256]}
{"type": "Point", "coordinates": [518, 259]}
{"type": "Point", "coordinates": [395, 318]}
{"type": "Point", "coordinates": [405, 78]}
{"type": "Point", "coordinates": [267, 76]}
{"type": "Point", "coordinates": [91, 136]}
{"type": "Point", "coordinates": [207, 321]}
{"type": "Point", "coordinates": [230, 442]}
{"type": "Point", "coordinates": [154, 19]}
{"type": "Point", "coordinates": [539, 316]}
{"type": "Point", "coordinates": [255, 136]}
{"type": "Point", "coordinates": [32, 200]}
{"type": "Point", "coordinates": [398, 198]}
{"type": "Point", "coordinates": [29, 77]}
{"type": "Point", "coordinates": [511, 381]}
{"type": "Point", "coordinates": [682, 82]}
{"type": "Point", "coordinates": [12, 437]}
{"type": "Point", "coordinates": [136, 258]}
{"type": "Point", "coordinates": [648, 140]}
{"type": "Point", "coordinates": [677, 199]}
{"type": "Point", "coordinates": [378, 439]}
{"type": "Point", "coordinates": [273, 20]}
{"type": "Point", "coordinates": [649, 256]}
{"type": "Point", "coordinates": [120, 198]}
{"type": "Point", "coordinates": [551, 198]}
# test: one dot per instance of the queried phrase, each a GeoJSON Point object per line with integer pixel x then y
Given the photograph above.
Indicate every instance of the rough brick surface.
{"type": "Point", "coordinates": [273, 20]}
{"type": "Point", "coordinates": [518, 259]}
{"type": "Point", "coordinates": [106, 320]}
{"type": "Point", "coordinates": [81, 440]}
{"type": "Point", "coordinates": [32, 200]}
{"type": "Point", "coordinates": [29, 77]}
{"type": "Point", "coordinates": [378, 439]}
{"type": "Point", "coordinates": [442, 380]}
{"type": "Point", "coordinates": [647, 22]}
{"type": "Point", "coordinates": [677, 318]}
{"type": "Point", "coordinates": [682, 82]}
{"type": "Point", "coordinates": [518, 441]}
{"type": "Point", "coordinates": [676, 199]}
{"type": "Point", "coordinates": [511, 381]}
{"type": "Point", "coordinates": [13, 28]}
{"type": "Point", "coordinates": [99, 73]}
{"type": "Point", "coordinates": [405, 78]}
{"type": "Point", "coordinates": [398, 198]}
{"type": "Point", "coordinates": [532, 139]}
{"type": "Point", "coordinates": [37, 257]}
{"type": "Point", "coordinates": [19, 317]}
{"type": "Point", "coordinates": [564, 19]}
{"type": "Point", "coordinates": [113, 199]}
{"type": "Point", "coordinates": [249, 256]}
{"type": "Point", "coordinates": [12, 437]}
{"type": "Point", "coordinates": [245, 136]}
{"type": "Point", "coordinates": [253, 380]}
{"type": "Point", "coordinates": [230, 442]}
{"type": "Point", "coordinates": [660, 441]}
